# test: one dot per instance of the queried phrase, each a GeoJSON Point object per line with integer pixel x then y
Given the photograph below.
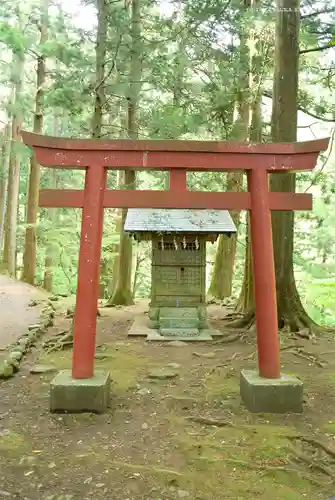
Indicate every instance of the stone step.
{"type": "Point", "coordinates": [179, 323]}
{"type": "Point", "coordinates": [178, 312]}
{"type": "Point", "coordinates": [179, 332]}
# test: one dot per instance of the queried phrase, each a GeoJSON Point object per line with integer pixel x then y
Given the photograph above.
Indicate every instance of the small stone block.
{"type": "Point", "coordinates": [262, 395]}
{"type": "Point", "coordinates": [34, 327]}
{"type": "Point", "coordinates": [162, 373]}
{"type": "Point", "coordinates": [80, 395]}
{"type": "Point", "coordinates": [212, 332]}
{"type": "Point", "coordinates": [138, 332]}
{"type": "Point", "coordinates": [41, 369]}
{"type": "Point", "coordinates": [154, 336]}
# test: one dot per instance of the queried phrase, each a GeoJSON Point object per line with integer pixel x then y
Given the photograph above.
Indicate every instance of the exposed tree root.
{"type": "Point", "coordinates": [271, 469]}
{"type": "Point", "coordinates": [316, 443]}
{"type": "Point", "coordinates": [120, 297]}
{"type": "Point", "coordinates": [59, 342]}
{"type": "Point", "coordinates": [216, 367]}
{"type": "Point", "coordinates": [290, 466]}
{"type": "Point", "coordinates": [228, 302]}
{"type": "Point", "coordinates": [70, 313]}
{"type": "Point", "coordinates": [250, 356]}
{"type": "Point", "coordinates": [293, 470]}
{"type": "Point", "coordinates": [144, 468]}
{"type": "Point", "coordinates": [295, 321]}
{"type": "Point", "coordinates": [244, 321]}
{"type": "Point", "coordinates": [64, 339]}
{"type": "Point", "coordinates": [230, 338]}
{"type": "Point", "coordinates": [309, 356]}
{"type": "Point", "coordinates": [312, 464]}
{"type": "Point", "coordinates": [289, 347]}
{"type": "Point", "coordinates": [233, 316]}
{"type": "Point", "coordinates": [210, 421]}
{"type": "Point", "coordinates": [294, 318]}
{"type": "Point", "coordinates": [229, 373]}
{"type": "Point", "coordinates": [304, 333]}
{"type": "Point", "coordinates": [313, 459]}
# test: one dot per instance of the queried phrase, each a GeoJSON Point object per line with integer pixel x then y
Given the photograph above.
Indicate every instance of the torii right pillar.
{"type": "Point", "coordinates": [266, 390]}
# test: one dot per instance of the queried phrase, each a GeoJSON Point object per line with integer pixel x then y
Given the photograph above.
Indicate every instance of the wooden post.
{"type": "Point", "coordinates": [178, 181]}
{"type": "Point", "coordinates": [88, 274]}
{"type": "Point", "coordinates": [264, 275]}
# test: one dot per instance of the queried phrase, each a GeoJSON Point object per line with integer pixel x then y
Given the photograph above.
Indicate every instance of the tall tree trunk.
{"type": "Point", "coordinates": [123, 290]}
{"type": "Point", "coordinates": [291, 314]}
{"type": "Point", "coordinates": [49, 261]}
{"type": "Point", "coordinates": [223, 272]}
{"type": "Point", "coordinates": [113, 268]}
{"type": "Point", "coordinates": [100, 55]}
{"type": "Point", "coordinates": [116, 248]}
{"type": "Point", "coordinates": [5, 152]}
{"type": "Point", "coordinates": [29, 256]}
{"type": "Point", "coordinates": [100, 99]}
{"type": "Point", "coordinates": [222, 276]}
{"type": "Point", "coordinates": [13, 185]}
{"type": "Point", "coordinates": [245, 302]}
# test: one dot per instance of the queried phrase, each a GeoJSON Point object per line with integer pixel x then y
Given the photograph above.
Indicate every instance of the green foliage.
{"type": "Point", "coordinates": [320, 299]}
{"type": "Point", "coordinates": [12, 37]}
{"type": "Point", "coordinates": [191, 64]}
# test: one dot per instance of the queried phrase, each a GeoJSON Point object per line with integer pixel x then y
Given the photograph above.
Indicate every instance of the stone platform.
{"type": "Point", "coordinates": [140, 328]}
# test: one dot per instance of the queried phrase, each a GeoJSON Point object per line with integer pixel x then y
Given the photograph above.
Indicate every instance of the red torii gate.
{"type": "Point", "coordinates": [177, 157]}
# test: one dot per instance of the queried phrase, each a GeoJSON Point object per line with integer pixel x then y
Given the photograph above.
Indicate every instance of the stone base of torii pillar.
{"type": "Point", "coordinates": [74, 395]}
{"type": "Point", "coordinates": [264, 395]}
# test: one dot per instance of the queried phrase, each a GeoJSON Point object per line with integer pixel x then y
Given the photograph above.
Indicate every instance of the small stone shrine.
{"type": "Point", "coordinates": [178, 269]}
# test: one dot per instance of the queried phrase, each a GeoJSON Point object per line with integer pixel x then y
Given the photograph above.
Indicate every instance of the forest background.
{"type": "Point", "coordinates": [178, 69]}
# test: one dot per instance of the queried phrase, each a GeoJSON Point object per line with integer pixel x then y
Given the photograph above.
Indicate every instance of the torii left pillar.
{"type": "Point", "coordinates": [86, 389]}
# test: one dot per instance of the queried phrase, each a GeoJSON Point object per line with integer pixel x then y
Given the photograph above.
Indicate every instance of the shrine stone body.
{"type": "Point", "coordinates": [178, 268]}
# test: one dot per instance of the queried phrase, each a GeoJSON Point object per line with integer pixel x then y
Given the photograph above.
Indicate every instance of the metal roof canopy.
{"type": "Point", "coordinates": [179, 221]}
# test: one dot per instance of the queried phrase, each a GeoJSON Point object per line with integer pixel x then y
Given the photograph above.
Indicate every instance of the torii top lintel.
{"type": "Point", "coordinates": [170, 155]}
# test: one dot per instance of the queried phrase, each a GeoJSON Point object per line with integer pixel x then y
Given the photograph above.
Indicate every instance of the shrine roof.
{"type": "Point", "coordinates": [179, 221]}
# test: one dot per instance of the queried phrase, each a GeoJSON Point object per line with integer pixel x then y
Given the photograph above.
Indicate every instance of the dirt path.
{"type": "Point", "coordinates": [15, 313]}
{"type": "Point", "coordinates": [147, 445]}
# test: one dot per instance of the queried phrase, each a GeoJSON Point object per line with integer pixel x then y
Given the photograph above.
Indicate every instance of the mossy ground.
{"type": "Point", "coordinates": [146, 447]}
